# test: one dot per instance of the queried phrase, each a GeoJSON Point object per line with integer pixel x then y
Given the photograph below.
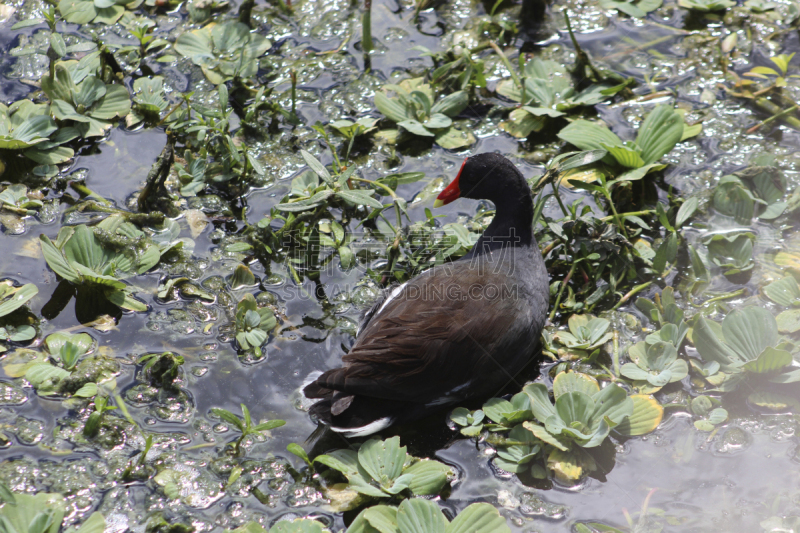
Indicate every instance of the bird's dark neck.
{"type": "Point", "coordinates": [512, 225]}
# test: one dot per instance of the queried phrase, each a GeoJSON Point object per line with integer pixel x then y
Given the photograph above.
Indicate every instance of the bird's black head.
{"type": "Point", "coordinates": [487, 176]}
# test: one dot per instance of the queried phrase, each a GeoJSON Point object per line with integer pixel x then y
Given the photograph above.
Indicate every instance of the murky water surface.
{"type": "Point", "coordinates": [675, 479]}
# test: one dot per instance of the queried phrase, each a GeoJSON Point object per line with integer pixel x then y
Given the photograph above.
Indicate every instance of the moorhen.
{"type": "Point", "coordinates": [458, 331]}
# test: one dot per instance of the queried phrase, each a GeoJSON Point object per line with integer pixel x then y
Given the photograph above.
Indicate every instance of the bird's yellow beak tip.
{"type": "Point", "coordinates": [438, 203]}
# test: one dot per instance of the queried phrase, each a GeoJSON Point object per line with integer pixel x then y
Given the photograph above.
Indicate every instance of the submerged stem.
{"type": "Point", "coordinates": [561, 290]}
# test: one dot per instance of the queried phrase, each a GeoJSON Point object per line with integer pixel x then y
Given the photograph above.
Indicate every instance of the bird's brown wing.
{"type": "Point", "coordinates": [442, 331]}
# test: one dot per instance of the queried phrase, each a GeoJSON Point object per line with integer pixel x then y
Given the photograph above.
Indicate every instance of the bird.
{"type": "Point", "coordinates": [458, 331]}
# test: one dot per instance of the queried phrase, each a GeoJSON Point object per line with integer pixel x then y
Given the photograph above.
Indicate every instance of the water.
{"type": "Point", "coordinates": [675, 479]}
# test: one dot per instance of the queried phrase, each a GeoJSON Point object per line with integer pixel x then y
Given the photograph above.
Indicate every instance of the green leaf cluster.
{"type": "Point", "coordinates": [633, 8]}
{"type": "Point", "coordinates": [705, 6]}
{"type": "Point", "coordinates": [98, 11]}
{"type": "Point", "coordinates": [245, 425]}
{"type": "Point", "coordinates": [84, 100]}
{"type": "Point", "coordinates": [424, 516]}
{"type": "Point", "coordinates": [733, 252]}
{"type": "Point", "coordinates": [708, 416]}
{"type": "Point", "coordinates": [661, 130]}
{"type": "Point", "coordinates": [224, 51]}
{"type": "Point", "coordinates": [298, 525]}
{"type": "Point", "coordinates": [28, 128]}
{"type": "Point", "coordinates": [739, 195]}
{"type": "Point", "coordinates": [11, 299]}
{"type": "Point", "coordinates": [383, 469]}
{"type": "Point", "coordinates": [417, 111]}
{"type": "Point", "coordinates": [98, 258]}
{"type": "Point", "coordinates": [544, 91]}
{"type": "Point", "coordinates": [253, 324]}
{"type": "Point", "coordinates": [745, 343]}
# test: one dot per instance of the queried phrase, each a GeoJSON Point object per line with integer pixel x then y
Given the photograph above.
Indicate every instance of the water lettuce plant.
{"type": "Point", "coordinates": [224, 51]}
{"type": "Point", "coordinates": [661, 130]}
{"type": "Point", "coordinates": [786, 292]}
{"type": "Point", "coordinates": [633, 8]}
{"type": "Point", "coordinates": [586, 333]}
{"type": "Point", "coordinates": [84, 101]}
{"type": "Point", "coordinates": [518, 452]}
{"type": "Point", "coordinates": [41, 513]}
{"type": "Point", "coordinates": [81, 258]}
{"type": "Point", "coordinates": [664, 311]}
{"type": "Point", "coordinates": [67, 367]}
{"type": "Point", "coordinates": [745, 343]}
{"type": "Point", "coordinates": [253, 324]}
{"type": "Point", "coordinates": [99, 11]}
{"type": "Point", "coordinates": [417, 111]}
{"type": "Point", "coordinates": [298, 525]}
{"type": "Point", "coordinates": [148, 100]}
{"type": "Point", "coordinates": [708, 416]}
{"type": "Point", "coordinates": [27, 129]}
{"type": "Point", "coordinates": [582, 417]}
{"type": "Point", "coordinates": [470, 423]}
{"type": "Point", "coordinates": [756, 191]}
{"type": "Point", "coordinates": [383, 469]}
{"type": "Point", "coordinates": [424, 516]}
{"type": "Point", "coordinates": [706, 5]}
{"type": "Point", "coordinates": [11, 299]}
{"type": "Point", "coordinates": [654, 365]}
{"type": "Point", "coordinates": [733, 252]}
{"type": "Point", "coordinates": [544, 90]}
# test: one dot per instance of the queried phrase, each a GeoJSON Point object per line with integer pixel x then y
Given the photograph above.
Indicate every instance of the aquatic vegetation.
{"type": "Point", "coordinates": [586, 334]}
{"type": "Point", "coordinates": [611, 225]}
{"type": "Point", "coordinates": [245, 425]}
{"type": "Point", "coordinates": [68, 367]}
{"type": "Point", "coordinates": [81, 258]}
{"type": "Point", "coordinates": [661, 130]}
{"type": "Point", "coordinates": [11, 299]}
{"type": "Point", "coordinates": [786, 292]}
{"type": "Point", "coordinates": [516, 454]}
{"type": "Point", "coordinates": [470, 422]}
{"type": "Point", "coordinates": [41, 513]}
{"type": "Point", "coordinates": [731, 252]}
{"type": "Point", "coordinates": [223, 51]}
{"type": "Point", "coordinates": [637, 9]}
{"type": "Point", "coordinates": [709, 416]}
{"type": "Point", "coordinates": [654, 366]}
{"type": "Point", "coordinates": [163, 368]}
{"type": "Point", "coordinates": [745, 343]}
{"type": "Point", "coordinates": [416, 516]}
{"type": "Point", "coordinates": [253, 324]}
{"type": "Point", "coordinates": [350, 130]}
{"type": "Point", "coordinates": [27, 128]}
{"type": "Point", "coordinates": [99, 11]}
{"type": "Point", "coordinates": [148, 100]}
{"type": "Point", "coordinates": [383, 469]}
{"type": "Point", "coordinates": [762, 184]}
{"type": "Point", "coordinates": [506, 414]}
{"type": "Point", "coordinates": [544, 89]}
{"type": "Point", "coordinates": [552, 436]}
{"type": "Point", "coordinates": [88, 103]}
{"type": "Point", "coordinates": [582, 417]}
{"type": "Point", "coordinates": [101, 406]}
{"type": "Point", "coordinates": [299, 525]}
{"type": "Point", "coordinates": [418, 112]}
{"type": "Point", "coordinates": [706, 5]}
{"type": "Point", "coordinates": [766, 88]}
{"type": "Point", "coordinates": [664, 311]}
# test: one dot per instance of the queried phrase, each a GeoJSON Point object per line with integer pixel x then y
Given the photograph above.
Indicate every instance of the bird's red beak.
{"type": "Point", "coordinates": [452, 191]}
